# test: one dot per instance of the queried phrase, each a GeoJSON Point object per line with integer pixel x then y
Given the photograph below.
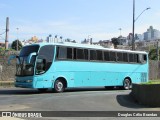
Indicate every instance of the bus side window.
{"type": "Point", "coordinates": [57, 52]}
{"type": "Point", "coordinates": [69, 53]}
{"type": "Point", "coordinates": [99, 55]}
{"type": "Point", "coordinates": [145, 57]}
{"type": "Point", "coordinates": [142, 58]}
{"type": "Point", "coordinates": [131, 57]}
{"type": "Point", "coordinates": [74, 53]}
{"type": "Point", "coordinates": [125, 57]}
{"type": "Point", "coordinates": [113, 56]}
{"type": "Point", "coordinates": [62, 53]}
{"type": "Point", "coordinates": [136, 58]}
{"type": "Point", "coordinates": [106, 56]}
{"type": "Point", "coordinates": [119, 56]}
{"type": "Point", "coordinates": [93, 55]}
{"type": "Point", "coordinates": [85, 54]}
{"type": "Point", "coordinates": [80, 54]}
{"type": "Point", "coordinates": [45, 58]}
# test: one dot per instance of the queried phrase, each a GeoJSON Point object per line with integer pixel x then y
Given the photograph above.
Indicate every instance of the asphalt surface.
{"type": "Point", "coordinates": [79, 99]}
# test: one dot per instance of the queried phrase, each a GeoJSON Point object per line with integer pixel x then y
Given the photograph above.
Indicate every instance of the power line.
{"type": "Point", "coordinates": [3, 33]}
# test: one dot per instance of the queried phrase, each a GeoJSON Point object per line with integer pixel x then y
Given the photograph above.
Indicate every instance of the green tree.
{"type": "Point", "coordinates": [14, 45]}
{"type": "Point", "coordinates": [153, 54]}
{"type": "Point", "coordinates": [115, 42]}
{"type": "Point", "coordinates": [68, 40]}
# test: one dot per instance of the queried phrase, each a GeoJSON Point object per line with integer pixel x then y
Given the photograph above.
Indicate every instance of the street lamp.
{"type": "Point", "coordinates": [134, 20]}
{"type": "Point", "coordinates": [120, 30]}
{"type": "Point", "coordinates": [142, 13]}
{"type": "Point", "coordinates": [17, 39]}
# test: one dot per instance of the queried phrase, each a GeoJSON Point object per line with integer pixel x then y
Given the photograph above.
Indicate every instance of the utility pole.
{"type": "Point", "coordinates": [134, 20]}
{"type": "Point", "coordinates": [17, 40]}
{"type": "Point", "coordinates": [133, 44]}
{"type": "Point", "coordinates": [7, 31]}
{"type": "Point", "coordinates": [157, 50]}
{"type": "Point", "coordinates": [120, 30]}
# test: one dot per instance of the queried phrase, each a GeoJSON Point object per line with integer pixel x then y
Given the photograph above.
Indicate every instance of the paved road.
{"type": "Point", "coordinates": [93, 99]}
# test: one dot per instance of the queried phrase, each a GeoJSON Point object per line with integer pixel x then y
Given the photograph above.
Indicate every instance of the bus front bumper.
{"type": "Point", "coordinates": [24, 82]}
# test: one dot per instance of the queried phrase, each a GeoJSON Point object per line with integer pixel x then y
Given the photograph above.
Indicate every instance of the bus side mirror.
{"type": "Point", "coordinates": [30, 57]}
{"type": "Point", "coordinates": [10, 58]}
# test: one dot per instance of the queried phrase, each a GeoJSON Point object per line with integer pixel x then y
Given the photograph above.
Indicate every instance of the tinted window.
{"type": "Point", "coordinates": [69, 53]}
{"type": "Point", "coordinates": [29, 49]}
{"type": "Point", "coordinates": [106, 56]}
{"type": "Point", "coordinates": [145, 57]}
{"type": "Point", "coordinates": [112, 56]}
{"type": "Point", "coordinates": [64, 53]}
{"type": "Point", "coordinates": [99, 55]}
{"type": "Point", "coordinates": [142, 58]}
{"type": "Point", "coordinates": [80, 54]}
{"type": "Point", "coordinates": [93, 55]}
{"type": "Point", "coordinates": [61, 52]}
{"type": "Point", "coordinates": [46, 53]}
{"type": "Point", "coordinates": [133, 57]}
{"type": "Point", "coordinates": [74, 53]}
{"type": "Point", "coordinates": [85, 54]}
{"type": "Point", "coordinates": [136, 58]}
{"type": "Point", "coordinates": [119, 56]}
{"type": "Point", "coordinates": [125, 57]}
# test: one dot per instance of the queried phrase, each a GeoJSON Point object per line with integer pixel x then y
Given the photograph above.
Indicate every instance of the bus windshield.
{"type": "Point", "coordinates": [23, 67]}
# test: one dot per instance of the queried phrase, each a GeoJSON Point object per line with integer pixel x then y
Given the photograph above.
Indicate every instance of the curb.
{"type": "Point", "coordinates": [6, 83]}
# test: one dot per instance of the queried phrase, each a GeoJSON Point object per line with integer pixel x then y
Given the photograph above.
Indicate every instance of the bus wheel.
{"type": "Point", "coordinates": [42, 90]}
{"type": "Point", "coordinates": [59, 86]}
{"type": "Point", "coordinates": [126, 84]}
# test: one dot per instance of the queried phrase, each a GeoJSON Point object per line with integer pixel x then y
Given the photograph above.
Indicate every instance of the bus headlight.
{"type": "Point", "coordinates": [28, 81]}
{"type": "Point", "coordinates": [17, 80]}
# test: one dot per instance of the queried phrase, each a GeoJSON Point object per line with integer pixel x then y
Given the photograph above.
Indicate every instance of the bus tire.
{"type": "Point", "coordinates": [126, 84]}
{"type": "Point", "coordinates": [59, 86]}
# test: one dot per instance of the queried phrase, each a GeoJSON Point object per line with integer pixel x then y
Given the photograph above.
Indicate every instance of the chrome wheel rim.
{"type": "Point", "coordinates": [127, 84]}
{"type": "Point", "coordinates": [59, 86]}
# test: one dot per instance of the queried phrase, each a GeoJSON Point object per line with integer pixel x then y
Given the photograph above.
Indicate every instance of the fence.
{"type": "Point", "coordinates": [154, 70]}
{"type": "Point", "coordinates": [7, 72]}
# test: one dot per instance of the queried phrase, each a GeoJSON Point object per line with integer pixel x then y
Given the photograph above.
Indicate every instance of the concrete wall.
{"type": "Point", "coordinates": [146, 94]}
{"type": "Point", "coordinates": [154, 70]}
{"type": "Point", "coordinates": [7, 72]}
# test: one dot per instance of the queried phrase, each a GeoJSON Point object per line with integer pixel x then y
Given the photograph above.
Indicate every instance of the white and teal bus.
{"type": "Point", "coordinates": [65, 65]}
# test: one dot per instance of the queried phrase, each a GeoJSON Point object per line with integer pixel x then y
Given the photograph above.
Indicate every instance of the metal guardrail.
{"type": "Point", "coordinates": [6, 83]}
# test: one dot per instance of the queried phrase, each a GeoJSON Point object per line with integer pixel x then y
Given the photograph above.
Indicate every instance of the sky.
{"type": "Point", "coordinates": [76, 19]}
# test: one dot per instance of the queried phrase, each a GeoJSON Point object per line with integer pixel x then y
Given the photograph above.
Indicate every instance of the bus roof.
{"type": "Point", "coordinates": [69, 44]}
